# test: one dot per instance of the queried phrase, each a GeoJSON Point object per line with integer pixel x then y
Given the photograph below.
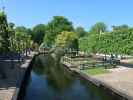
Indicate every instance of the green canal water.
{"type": "Point", "coordinates": [49, 81]}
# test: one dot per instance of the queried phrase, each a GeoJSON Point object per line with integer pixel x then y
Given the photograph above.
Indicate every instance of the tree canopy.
{"type": "Point", "coordinates": [38, 33]}
{"type": "Point", "coordinates": [65, 39]}
{"type": "Point", "coordinates": [4, 34]}
{"type": "Point", "coordinates": [80, 31]}
{"type": "Point", "coordinates": [117, 41]}
{"type": "Point", "coordinates": [22, 38]}
{"type": "Point", "coordinates": [98, 28]}
{"type": "Point", "coordinates": [92, 38]}
{"type": "Point", "coordinates": [57, 25]}
{"type": "Point", "coordinates": [60, 32]}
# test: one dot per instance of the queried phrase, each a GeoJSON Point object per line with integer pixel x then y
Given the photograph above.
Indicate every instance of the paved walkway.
{"type": "Point", "coordinates": [15, 75]}
{"type": "Point", "coordinates": [120, 79]}
{"type": "Point", "coordinates": [129, 60]}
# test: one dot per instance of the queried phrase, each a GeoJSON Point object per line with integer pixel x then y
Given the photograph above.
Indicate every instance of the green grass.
{"type": "Point", "coordinates": [131, 62]}
{"type": "Point", "coordinates": [95, 71]}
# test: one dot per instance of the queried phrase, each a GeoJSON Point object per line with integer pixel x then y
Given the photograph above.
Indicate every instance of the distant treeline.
{"type": "Point", "coordinates": [60, 32]}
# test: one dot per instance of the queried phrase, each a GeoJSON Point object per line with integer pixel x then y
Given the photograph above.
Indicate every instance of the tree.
{"type": "Point", "coordinates": [21, 29]}
{"type": "Point", "coordinates": [98, 28]}
{"type": "Point", "coordinates": [4, 34]}
{"type": "Point", "coordinates": [30, 32]}
{"type": "Point", "coordinates": [22, 39]}
{"type": "Point", "coordinates": [80, 31]}
{"type": "Point", "coordinates": [55, 27]}
{"type": "Point", "coordinates": [91, 45]}
{"type": "Point", "coordinates": [119, 41]}
{"type": "Point", "coordinates": [121, 27]}
{"type": "Point", "coordinates": [12, 36]}
{"type": "Point", "coordinates": [65, 39]}
{"type": "Point", "coordinates": [11, 25]}
{"type": "Point", "coordinates": [123, 39]}
{"type": "Point", "coordinates": [39, 33]}
{"type": "Point", "coordinates": [94, 36]}
{"type": "Point", "coordinates": [83, 44]}
{"type": "Point", "coordinates": [105, 43]}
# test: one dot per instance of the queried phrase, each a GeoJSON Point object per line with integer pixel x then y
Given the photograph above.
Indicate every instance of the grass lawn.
{"type": "Point", "coordinates": [95, 71]}
{"type": "Point", "coordinates": [131, 62]}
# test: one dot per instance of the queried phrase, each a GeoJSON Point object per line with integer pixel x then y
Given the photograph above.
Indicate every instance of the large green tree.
{"type": "Point", "coordinates": [94, 36]}
{"type": "Point", "coordinates": [89, 43]}
{"type": "Point", "coordinates": [39, 33]}
{"type": "Point", "coordinates": [119, 41]}
{"type": "Point", "coordinates": [4, 34]}
{"type": "Point", "coordinates": [98, 28]}
{"type": "Point", "coordinates": [121, 27]}
{"type": "Point", "coordinates": [22, 40]}
{"type": "Point", "coordinates": [80, 31]}
{"type": "Point", "coordinates": [12, 36]}
{"type": "Point", "coordinates": [57, 25]}
{"type": "Point", "coordinates": [65, 39]}
{"type": "Point", "coordinates": [21, 29]}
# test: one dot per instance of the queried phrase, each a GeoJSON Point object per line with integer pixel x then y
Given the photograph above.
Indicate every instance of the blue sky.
{"type": "Point", "coordinates": [81, 12]}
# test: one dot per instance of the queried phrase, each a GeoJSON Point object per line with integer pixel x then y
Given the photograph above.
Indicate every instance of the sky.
{"type": "Point", "coordinates": [83, 13]}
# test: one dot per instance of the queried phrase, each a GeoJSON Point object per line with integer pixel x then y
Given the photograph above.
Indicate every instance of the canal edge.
{"type": "Point", "coordinates": [101, 84]}
{"type": "Point", "coordinates": [23, 81]}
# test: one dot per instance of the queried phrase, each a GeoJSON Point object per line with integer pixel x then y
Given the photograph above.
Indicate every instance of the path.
{"type": "Point", "coordinates": [10, 86]}
{"type": "Point", "coordinates": [120, 79]}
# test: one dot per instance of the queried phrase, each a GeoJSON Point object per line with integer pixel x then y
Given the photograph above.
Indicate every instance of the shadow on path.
{"type": "Point", "coordinates": [13, 73]}
{"type": "Point", "coordinates": [126, 65]}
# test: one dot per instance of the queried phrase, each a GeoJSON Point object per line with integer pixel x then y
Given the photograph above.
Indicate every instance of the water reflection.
{"type": "Point", "coordinates": [50, 81]}
{"type": "Point", "coordinates": [55, 75]}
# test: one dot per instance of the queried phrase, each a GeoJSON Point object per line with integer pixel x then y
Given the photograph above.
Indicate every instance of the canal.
{"type": "Point", "coordinates": [51, 81]}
